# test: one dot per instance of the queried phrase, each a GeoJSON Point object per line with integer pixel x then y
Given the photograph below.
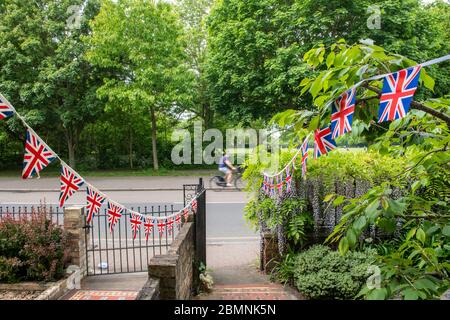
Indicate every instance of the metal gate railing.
{"type": "Point", "coordinates": [118, 252]}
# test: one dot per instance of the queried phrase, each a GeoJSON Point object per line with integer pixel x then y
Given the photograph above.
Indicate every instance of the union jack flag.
{"type": "Point", "coordinates": [5, 110]}
{"type": "Point", "coordinates": [304, 147]}
{"type": "Point", "coordinates": [194, 205]}
{"type": "Point", "coordinates": [169, 225]}
{"type": "Point", "coordinates": [161, 227]}
{"type": "Point", "coordinates": [185, 214]}
{"type": "Point", "coordinates": [323, 142]}
{"type": "Point", "coordinates": [280, 183]}
{"type": "Point", "coordinates": [148, 227]}
{"type": "Point", "coordinates": [94, 202]}
{"type": "Point", "coordinates": [37, 156]}
{"type": "Point", "coordinates": [70, 183]}
{"type": "Point", "coordinates": [272, 187]}
{"type": "Point", "coordinates": [289, 177]}
{"type": "Point", "coordinates": [136, 221]}
{"type": "Point", "coordinates": [178, 221]}
{"type": "Point", "coordinates": [342, 113]}
{"type": "Point", "coordinates": [114, 214]}
{"type": "Point", "coordinates": [264, 184]}
{"type": "Point", "coordinates": [398, 91]}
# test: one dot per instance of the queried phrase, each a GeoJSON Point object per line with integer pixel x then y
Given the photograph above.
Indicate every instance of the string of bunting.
{"type": "Point", "coordinates": [38, 155]}
{"type": "Point", "coordinates": [396, 95]}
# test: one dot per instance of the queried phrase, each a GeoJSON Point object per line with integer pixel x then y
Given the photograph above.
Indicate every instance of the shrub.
{"type": "Point", "coordinates": [321, 273]}
{"type": "Point", "coordinates": [31, 249]}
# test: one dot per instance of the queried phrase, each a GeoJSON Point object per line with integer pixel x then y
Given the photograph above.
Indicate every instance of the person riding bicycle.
{"type": "Point", "coordinates": [227, 168]}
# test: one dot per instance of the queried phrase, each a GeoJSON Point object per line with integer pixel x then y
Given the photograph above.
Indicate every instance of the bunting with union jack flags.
{"type": "Point", "coordinates": [5, 110]}
{"type": "Point", "coordinates": [71, 182]}
{"type": "Point", "coordinates": [304, 148]}
{"type": "Point", "coordinates": [178, 221]}
{"type": "Point", "coordinates": [169, 225]}
{"type": "Point", "coordinates": [37, 155]}
{"type": "Point", "coordinates": [115, 212]}
{"type": "Point", "coordinates": [94, 202]}
{"type": "Point", "coordinates": [194, 205]}
{"type": "Point", "coordinates": [342, 113]}
{"type": "Point", "coordinates": [397, 94]}
{"type": "Point", "coordinates": [149, 224]}
{"type": "Point", "coordinates": [185, 214]}
{"type": "Point", "coordinates": [161, 227]}
{"type": "Point", "coordinates": [323, 142]}
{"type": "Point", "coordinates": [136, 222]}
{"type": "Point", "coordinates": [289, 172]}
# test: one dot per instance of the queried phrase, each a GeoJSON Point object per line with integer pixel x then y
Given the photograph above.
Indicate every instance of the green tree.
{"type": "Point", "coordinates": [256, 47]}
{"type": "Point", "coordinates": [193, 14]}
{"type": "Point", "coordinates": [142, 42]}
{"type": "Point", "coordinates": [43, 70]}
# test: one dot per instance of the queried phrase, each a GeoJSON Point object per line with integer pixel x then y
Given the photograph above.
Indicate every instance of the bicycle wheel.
{"type": "Point", "coordinates": [213, 182]}
{"type": "Point", "coordinates": [239, 184]}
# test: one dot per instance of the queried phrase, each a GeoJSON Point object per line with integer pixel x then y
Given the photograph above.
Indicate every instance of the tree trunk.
{"type": "Point", "coordinates": [154, 147]}
{"type": "Point", "coordinates": [71, 138]}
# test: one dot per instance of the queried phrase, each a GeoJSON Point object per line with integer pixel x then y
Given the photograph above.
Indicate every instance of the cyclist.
{"type": "Point", "coordinates": [227, 168]}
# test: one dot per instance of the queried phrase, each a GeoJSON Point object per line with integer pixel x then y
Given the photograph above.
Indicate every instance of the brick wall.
{"type": "Point", "coordinates": [175, 270]}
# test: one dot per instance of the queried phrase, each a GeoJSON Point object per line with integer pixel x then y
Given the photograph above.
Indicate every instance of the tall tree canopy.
{"type": "Point", "coordinates": [43, 70]}
{"type": "Point", "coordinates": [256, 46]}
{"type": "Point", "coordinates": [142, 42]}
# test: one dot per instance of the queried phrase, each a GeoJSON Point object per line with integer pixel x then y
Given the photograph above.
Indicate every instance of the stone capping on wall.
{"type": "Point", "coordinates": [175, 269]}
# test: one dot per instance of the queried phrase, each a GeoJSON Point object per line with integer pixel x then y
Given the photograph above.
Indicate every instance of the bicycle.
{"type": "Point", "coordinates": [219, 181]}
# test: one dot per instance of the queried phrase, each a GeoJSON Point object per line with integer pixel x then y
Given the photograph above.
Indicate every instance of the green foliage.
{"type": "Point", "coordinates": [320, 273]}
{"type": "Point", "coordinates": [255, 48]}
{"type": "Point", "coordinates": [31, 249]}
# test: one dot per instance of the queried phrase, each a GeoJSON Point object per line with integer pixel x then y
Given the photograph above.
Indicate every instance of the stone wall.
{"type": "Point", "coordinates": [76, 237]}
{"type": "Point", "coordinates": [175, 270]}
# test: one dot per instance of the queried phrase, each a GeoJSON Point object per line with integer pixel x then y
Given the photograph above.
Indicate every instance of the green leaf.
{"type": "Point", "coordinates": [351, 237]}
{"type": "Point", "coordinates": [410, 294]}
{"type": "Point", "coordinates": [330, 59]}
{"type": "Point", "coordinates": [420, 235]}
{"type": "Point", "coordinates": [328, 197]}
{"type": "Point", "coordinates": [360, 223]}
{"type": "Point", "coordinates": [343, 246]}
{"type": "Point", "coordinates": [425, 283]}
{"type": "Point", "coordinates": [446, 231]}
{"type": "Point", "coordinates": [314, 124]}
{"type": "Point", "coordinates": [428, 81]}
{"type": "Point", "coordinates": [377, 294]}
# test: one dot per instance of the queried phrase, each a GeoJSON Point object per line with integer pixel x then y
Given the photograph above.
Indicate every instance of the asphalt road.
{"type": "Point", "coordinates": [228, 235]}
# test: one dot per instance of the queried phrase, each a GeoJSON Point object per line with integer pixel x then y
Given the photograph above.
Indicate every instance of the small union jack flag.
{"type": "Point", "coordinates": [185, 214]}
{"type": "Point", "coordinates": [37, 155]}
{"type": "Point", "coordinates": [272, 187]}
{"type": "Point", "coordinates": [136, 221]}
{"type": "Point", "coordinates": [169, 225]}
{"type": "Point", "coordinates": [148, 227]}
{"type": "Point", "coordinates": [342, 113]}
{"type": "Point", "coordinates": [280, 183]}
{"type": "Point", "coordinates": [289, 172]}
{"type": "Point", "coordinates": [114, 214]}
{"type": "Point", "coordinates": [398, 91]}
{"type": "Point", "coordinates": [94, 202]}
{"type": "Point", "coordinates": [304, 147]}
{"type": "Point", "coordinates": [323, 142]}
{"type": "Point", "coordinates": [70, 183]}
{"type": "Point", "coordinates": [194, 205]}
{"type": "Point", "coordinates": [178, 221]}
{"type": "Point", "coordinates": [161, 227]}
{"type": "Point", "coordinates": [264, 184]}
{"type": "Point", "coordinates": [5, 110]}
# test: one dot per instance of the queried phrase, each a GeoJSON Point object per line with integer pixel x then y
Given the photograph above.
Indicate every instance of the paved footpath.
{"type": "Point", "coordinates": [236, 275]}
{"type": "Point", "coordinates": [109, 287]}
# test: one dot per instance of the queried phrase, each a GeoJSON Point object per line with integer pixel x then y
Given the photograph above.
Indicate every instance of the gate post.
{"type": "Point", "coordinates": [76, 237]}
{"type": "Point", "coordinates": [200, 225]}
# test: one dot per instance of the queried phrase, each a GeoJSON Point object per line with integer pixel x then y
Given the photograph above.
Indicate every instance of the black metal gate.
{"type": "Point", "coordinates": [118, 252]}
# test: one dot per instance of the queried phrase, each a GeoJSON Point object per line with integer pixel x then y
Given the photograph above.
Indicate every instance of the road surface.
{"type": "Point", "coordinates": [228, 235]}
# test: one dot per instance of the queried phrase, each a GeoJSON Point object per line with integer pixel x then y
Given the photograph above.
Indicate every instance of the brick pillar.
{"type": "Point", "coordinates": [74, 222]}
{"type": "Point", "coordinates": [270, 251]}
